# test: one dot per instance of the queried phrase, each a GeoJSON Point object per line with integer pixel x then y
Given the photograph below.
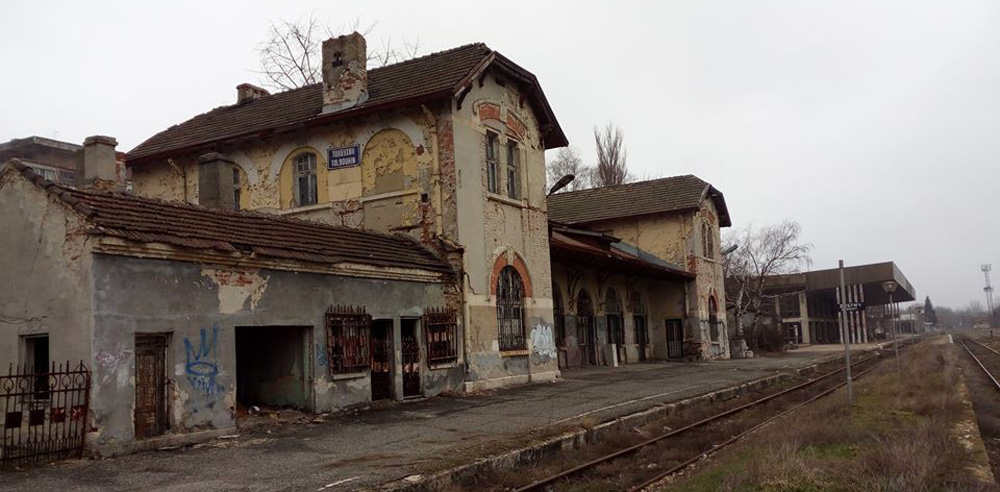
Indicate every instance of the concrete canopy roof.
{"type": "Point", "coordinates": [871, 277]}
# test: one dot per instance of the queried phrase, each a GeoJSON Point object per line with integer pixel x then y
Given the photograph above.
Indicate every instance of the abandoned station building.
{"type": "Point", "coordinates": [637, 267]}
{"type": "Point", "coordinates": [383, 234]}
{"type": "Point", "coordinates": [807, 306]}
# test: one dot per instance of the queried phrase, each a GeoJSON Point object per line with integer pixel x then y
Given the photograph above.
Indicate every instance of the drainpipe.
{"type": "Point", "coordinates": [184, 176]}
{"type": "Point", "coordinates": [436, 163]}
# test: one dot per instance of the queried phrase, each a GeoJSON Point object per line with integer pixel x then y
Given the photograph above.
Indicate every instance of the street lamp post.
{"type": "Point", "coordinates": [889, 287]}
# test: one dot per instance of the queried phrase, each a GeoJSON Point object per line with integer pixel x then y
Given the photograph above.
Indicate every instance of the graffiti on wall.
{"type": "Point", "coordinates": [202, 366]}
{"type": "Point", "coordinates": [543, 342]}
{"type": "Point", "coordinates": [321, 358]}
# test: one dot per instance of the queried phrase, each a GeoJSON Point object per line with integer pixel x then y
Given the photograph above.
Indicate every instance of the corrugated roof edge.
{"type": "Point", "coordinates": [60, 193]}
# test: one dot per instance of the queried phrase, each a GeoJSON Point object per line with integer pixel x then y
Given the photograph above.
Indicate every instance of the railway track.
{"type": "Point", "coordinates": [979, 362]}
{"type": "Point", "coordinates": [590, 469]}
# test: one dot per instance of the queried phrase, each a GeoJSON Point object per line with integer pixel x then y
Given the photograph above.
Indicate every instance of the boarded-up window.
{"type": "Point", "coordinates": [441, 333]}
{"type": "Point", "coordinates": [347, 329]}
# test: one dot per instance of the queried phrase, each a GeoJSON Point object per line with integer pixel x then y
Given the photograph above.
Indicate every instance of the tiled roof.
{"type": "Point", "coordinates": [427, 77]}
{"type": "Point", "coordinates": [674, 194]}
{"type": "Point", "coordinates": [146, 220]}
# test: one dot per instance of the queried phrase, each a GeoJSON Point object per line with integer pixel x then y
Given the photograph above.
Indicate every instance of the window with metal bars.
{"type": "Point", "coordinates": [441, 335]}
{"type": "Point", "coordinates": [347, 329]}
{"type": "Point", "coordinates": [510, 310]}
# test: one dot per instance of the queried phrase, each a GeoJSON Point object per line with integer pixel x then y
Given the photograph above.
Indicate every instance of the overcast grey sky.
{"type": "Point", "coordinates": [874, 124]}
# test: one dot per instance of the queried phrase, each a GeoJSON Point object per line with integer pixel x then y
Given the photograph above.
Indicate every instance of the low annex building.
{"type": "Point", "coordinates": [186, 315]}
{"type": "Point", "coordinates": [659, 291]}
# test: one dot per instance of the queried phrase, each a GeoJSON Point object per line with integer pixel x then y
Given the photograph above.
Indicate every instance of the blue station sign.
{"type": "Point", "coordinates": [341, 157]}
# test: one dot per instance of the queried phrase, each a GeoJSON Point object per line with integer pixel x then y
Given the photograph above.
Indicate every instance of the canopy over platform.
{"type": "Point", "coordinates": [870, 277]}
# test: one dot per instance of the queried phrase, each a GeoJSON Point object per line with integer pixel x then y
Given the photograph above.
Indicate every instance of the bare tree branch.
{"type": "Point", "coordinates": [568, 161]}
{"type": "Point", "coordinates": [291, 54]}
{"type": "Point", "coordinates": [611, 156]}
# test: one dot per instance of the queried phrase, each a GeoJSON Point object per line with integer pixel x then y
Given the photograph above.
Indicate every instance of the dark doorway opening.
{"type": "Point", "coordinates": [382, 360]}
{"type": "Point", "coordinates": [641, 335]}
{"type": "Point", "coordinates": [150, 385]}
{"type": "Point", "coordinates": [586, 333]}
{"type": "Point", "coordinates": [675, 339]}
{"type": "Point", "coordinates": [411, 358]}
{"type": "Point", "coordinates": [36, 353]}
{"type": "Point", "coordinates": [271, 366]}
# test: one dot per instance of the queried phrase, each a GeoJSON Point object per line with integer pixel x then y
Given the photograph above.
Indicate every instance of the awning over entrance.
{"type": "Point", "coordinates": [608, 253]}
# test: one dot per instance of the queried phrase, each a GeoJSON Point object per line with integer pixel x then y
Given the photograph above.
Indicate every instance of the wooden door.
{"type": "Point", "coordinates": [150, 385]}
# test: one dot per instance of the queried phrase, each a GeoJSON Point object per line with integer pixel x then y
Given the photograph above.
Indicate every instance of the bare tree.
{"type": "Point", "coordinates": [611, 156]}
{"type": "Point", "coordinates": [291, 55]}
{"type": "Point", "coordinates": [568, 161]}
{"type": "Point", "coordinates": [760, 253]}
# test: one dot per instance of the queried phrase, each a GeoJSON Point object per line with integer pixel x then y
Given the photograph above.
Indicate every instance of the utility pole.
{"type": "Point", "coordinates": [989, 293]}
{"type": "Point", "coordinates": [845, 334]}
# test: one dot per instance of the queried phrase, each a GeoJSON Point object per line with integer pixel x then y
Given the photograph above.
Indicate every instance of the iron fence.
{"type": "Point", "coordinates": [44, 414]}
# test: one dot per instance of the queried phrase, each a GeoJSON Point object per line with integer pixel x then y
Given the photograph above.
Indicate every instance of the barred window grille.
{"type": "Point", "coordinates": [441, 334]}
{"type": "Point", "coordinates": [347, 329]}
{"type": "Point", "coordinates": [510, 310]}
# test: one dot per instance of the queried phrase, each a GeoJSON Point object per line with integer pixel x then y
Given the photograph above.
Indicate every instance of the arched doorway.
{"type": "Point", "coordinates": [713, 319]}
{"type": "Point", "coordinates": [586, 334]}
{"type": "Point", "coordinates": [559, 324]}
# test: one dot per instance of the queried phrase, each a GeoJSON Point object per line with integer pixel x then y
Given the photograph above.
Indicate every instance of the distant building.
{"type": "Point", "coordinates": [54, 160]}
{"type": "Point", "coordinates": [807, 306]}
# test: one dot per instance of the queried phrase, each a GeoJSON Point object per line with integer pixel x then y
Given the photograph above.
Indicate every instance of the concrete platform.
{"type": "Point", "coordinates": [345, 452]}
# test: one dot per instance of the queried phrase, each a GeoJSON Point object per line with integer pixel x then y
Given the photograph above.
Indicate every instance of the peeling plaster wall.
{"type": "Point", "coordinates": [46, 286]}
{"type": "Point", "coordinates": [491, 226]}
{"type": "Point", "coordinates": [385, 192]}
{"type": "Point", "coordinates": [677, 238]}
{"type": "Point", "coordinates": [200, 307]}
{"type": "Point", "coordinates": [663, 300]}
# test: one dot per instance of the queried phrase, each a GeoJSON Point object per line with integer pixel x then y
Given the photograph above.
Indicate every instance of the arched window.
{"type": "Point", "coordinates": [613, 316]}
{"type": "Point", "coordinates": [713, 318]}
{"type": "Point", "coordinates": [559, 316]}
{"type": "Point", "coordinates": [510, 309]}
{"type": "Point", "coordinates": [707, 240]}
{"type": "Point", "coordinates": [305, 179]}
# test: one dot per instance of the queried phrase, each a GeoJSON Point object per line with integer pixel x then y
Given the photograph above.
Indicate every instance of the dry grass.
{"type": "Point", "coordinates": [898, 438]}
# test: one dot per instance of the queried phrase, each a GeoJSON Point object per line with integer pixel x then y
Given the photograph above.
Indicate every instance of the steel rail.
{"type": "Point", "coordinates": [745, 433]}
{"type": "Point", "coordinates": [590, 464]}
{"type": "Point", "coordinates": [981, 366]}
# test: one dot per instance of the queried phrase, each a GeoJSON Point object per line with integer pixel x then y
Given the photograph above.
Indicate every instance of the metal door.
{"type": "Point", "coordinates": [675, 339]}
{"type": "Point", "coordinates": [381, 360]}
{"type": "Point", "coordinates": [150, 385]}
{"type": "Point", "coordinates": [411, 360]}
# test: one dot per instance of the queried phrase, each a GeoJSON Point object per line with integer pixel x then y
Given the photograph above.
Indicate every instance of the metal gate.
{"type": "Point", "coordinates": [382, 360]}
{"type": "Point", "coordinates": [675, 339]}
{"type": "Point", "coordinates": [44, 414]}
{"type": "Point", "coordinates": [411, 361]}
{"type": "Point", "coordinates": [150, 385]}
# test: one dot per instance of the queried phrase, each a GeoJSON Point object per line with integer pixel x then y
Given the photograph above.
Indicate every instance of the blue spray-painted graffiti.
{"type": "Point", "coordinates": [321, 358]}
{"type": "Point", "coordinates": [202, 364]}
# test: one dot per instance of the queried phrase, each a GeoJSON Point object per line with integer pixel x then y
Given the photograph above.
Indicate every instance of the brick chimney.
{"type": "Point", "coordinates": [345, 72]}
{"type": "Point", "coordinates": [99, 167]}
{"type": "Point", "coordinates": [215, 181]}
{"type": "Point", "coordinates": [249, 92]}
